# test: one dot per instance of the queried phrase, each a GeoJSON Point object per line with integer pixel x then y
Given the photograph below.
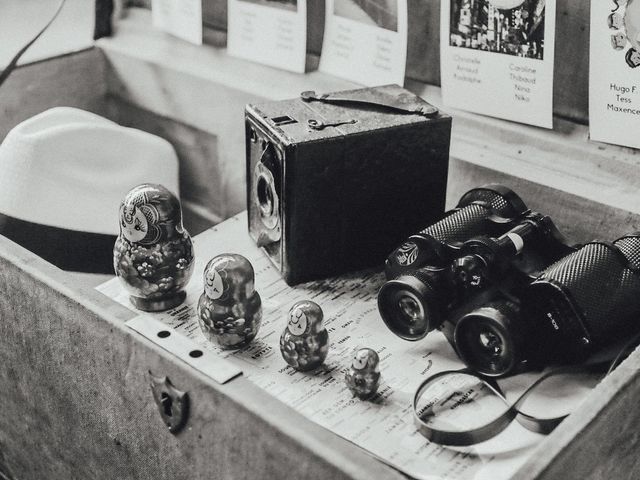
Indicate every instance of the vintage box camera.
{"type": "Point", "coordinates": [335, 181]}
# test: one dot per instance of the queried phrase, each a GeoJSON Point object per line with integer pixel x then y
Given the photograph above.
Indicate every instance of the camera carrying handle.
{"type": "Point", "coordinates": [603, 363]}
{"type": "Point", "coordinates": [394, 104]}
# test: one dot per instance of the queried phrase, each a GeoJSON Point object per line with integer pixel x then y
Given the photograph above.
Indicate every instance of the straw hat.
{"type": "Point", "coordinates": [63, 174]}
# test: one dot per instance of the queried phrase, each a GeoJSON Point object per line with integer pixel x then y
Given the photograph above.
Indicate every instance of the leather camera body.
{"type": "Point", "coordinates": [336, 181]}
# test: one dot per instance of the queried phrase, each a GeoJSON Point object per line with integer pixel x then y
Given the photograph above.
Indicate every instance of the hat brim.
{"type": "Point", "coordinates": [67, 249]}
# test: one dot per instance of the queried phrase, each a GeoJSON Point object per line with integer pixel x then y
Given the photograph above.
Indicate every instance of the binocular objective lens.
{"type": "Point", "coordinates": [487, 340]}
{"type": "Point", "coordinates": [405, 310]}
{"type": "Point", "coordinates": [491, 343]}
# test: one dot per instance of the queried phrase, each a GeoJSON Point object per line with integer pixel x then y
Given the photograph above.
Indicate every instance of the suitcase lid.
{"type": "Point", "coordinates": [313, 117]}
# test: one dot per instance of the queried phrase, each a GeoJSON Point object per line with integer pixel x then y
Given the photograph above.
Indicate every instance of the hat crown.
{"type": "Point", "coordinates": [70, 169]}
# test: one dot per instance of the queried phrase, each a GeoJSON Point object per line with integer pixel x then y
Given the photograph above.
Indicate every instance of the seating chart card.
{"type": "Point", "coordinates": [366, 41]}
{"type": "Point", "coordinates": [383, 425]}
{"type": "Point", "coordinates": [271, 32]}
{"type": "Point", "coordinates": [614, 76]}
{"type": "Point", "coordinates": [497, 58]}
{"type": "Point", "coordinates": [181, 18]}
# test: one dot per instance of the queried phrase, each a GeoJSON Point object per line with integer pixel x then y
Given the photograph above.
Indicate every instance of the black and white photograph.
{"type": "Point", "coordinates": [380, 13]}
{"type": "Point", "coordinates": [284, 4]}
{"type": "Point", "coordinates": [510, 27]}
{"type": "Point", "coordinates": [222, 260]}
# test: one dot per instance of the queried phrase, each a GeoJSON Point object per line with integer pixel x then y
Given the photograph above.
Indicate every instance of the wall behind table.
{"type": "Point", "coordinates": [423, 56]}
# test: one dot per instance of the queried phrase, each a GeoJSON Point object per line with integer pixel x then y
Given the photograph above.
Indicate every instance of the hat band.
{"type": "Point", "coordinates": [67, 249]}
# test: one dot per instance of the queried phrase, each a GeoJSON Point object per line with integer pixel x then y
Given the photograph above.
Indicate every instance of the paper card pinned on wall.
{"type": "Point", "coordinates": [614, 72]}
{"type": "Point", "coordinates": [181, 18]}
{"type": "Point", "coordinates": [366, 41]}
{"type": "Point", "coordinates": [497, 58]}
{"type": "Point", "coordinates": [271, 32]}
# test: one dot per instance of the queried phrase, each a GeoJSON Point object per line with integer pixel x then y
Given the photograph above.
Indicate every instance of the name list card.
{"type": "Point", "coordinates": [497, 58]}
{"type": "Point", "coordinates": [366, 41]}
{"type": "Point", "coordinates": [182, 18]}
{"type": "Point", "coordinates": [614, 76]}
{"type": "Point", "coordinates": [272, 32]}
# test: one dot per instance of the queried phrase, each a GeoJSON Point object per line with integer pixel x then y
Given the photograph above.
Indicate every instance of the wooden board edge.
{"type": "Point", "coordinates": [329, 448]}
{"type": "Point", "coordinates": [595, 440]}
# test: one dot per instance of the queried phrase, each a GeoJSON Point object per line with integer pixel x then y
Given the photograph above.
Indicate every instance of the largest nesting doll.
{"type": "Point", "coordinates": [153, 255]}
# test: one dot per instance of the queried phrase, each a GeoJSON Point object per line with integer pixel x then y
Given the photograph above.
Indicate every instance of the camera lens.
{"type": "Point", "coordinates": [265, 196]}
{"type": "Point", "coordinates": [406, 307]}
{"type": "Point", "coordinates": [487, 339]}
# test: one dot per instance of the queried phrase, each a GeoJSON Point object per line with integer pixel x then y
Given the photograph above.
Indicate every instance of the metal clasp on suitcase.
{"type": "Point", "coordinates": [172, 403]}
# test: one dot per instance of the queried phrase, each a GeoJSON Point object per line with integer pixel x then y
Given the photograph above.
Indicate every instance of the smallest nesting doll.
{"type": "Point", "coordinates": [153, 255]}
{"type": "Point", "coordinates": [229, 310]}
{"type": "Point", "coordinates": [363, 375]}
{"type": "Point", "coordinates": [304, 344]}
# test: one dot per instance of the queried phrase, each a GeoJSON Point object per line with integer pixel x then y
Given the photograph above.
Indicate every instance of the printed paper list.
{"type": "Point", "coordinates": [623, 96]}
{"type": "Point", "coordinates": [383, 426]}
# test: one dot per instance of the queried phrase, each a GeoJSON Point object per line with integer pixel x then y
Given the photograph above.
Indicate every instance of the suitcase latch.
{"type": "Point", "coordinates": [172, 403]}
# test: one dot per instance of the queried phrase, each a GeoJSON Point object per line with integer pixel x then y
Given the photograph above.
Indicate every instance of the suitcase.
{"type": "Point", "coordinates": [78, 403]}
{"type": "Point", "coordinates": [75, 382]}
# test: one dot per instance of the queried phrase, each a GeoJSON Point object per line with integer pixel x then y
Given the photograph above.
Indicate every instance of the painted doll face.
{"type": "Point", "coordinates": [213, 284]}
{"type": "Point", "coordinates": [360, 360]}
{"type": "Point", "coordinates": [297, 322]}
{"type": "Point", "coordinates": [134, 224]}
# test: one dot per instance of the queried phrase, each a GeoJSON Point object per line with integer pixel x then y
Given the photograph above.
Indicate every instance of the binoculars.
{"type": "Point", "coordinates": [507, 290]}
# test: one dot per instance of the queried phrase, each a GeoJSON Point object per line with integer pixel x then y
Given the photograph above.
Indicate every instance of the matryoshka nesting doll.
{"type": "Point", "coordinates": [304, 344]}
{"type": "Point", "coordinates": [153, 255]}
{"type": "Point", "coordinates": [363, 375]}
{"type": "Point", "coordinates": [229, 310]}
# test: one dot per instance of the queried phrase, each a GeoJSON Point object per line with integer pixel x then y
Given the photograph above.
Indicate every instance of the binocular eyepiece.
{"type": "Point", "coordinates": [487, 210]}
{"type": "Point", "coordinates": [514, 295]}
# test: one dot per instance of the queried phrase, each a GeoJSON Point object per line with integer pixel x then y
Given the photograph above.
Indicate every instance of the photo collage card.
{"type": "Point", "coordinates": [614, 76]}
{"type": "Point", "coordinates": [497, 58]}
